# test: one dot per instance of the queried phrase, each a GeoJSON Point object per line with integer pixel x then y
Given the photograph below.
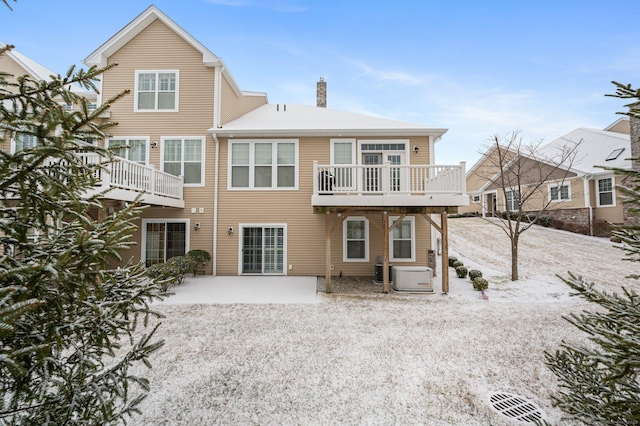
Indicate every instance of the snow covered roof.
{"type": "Point", "coordinates": [304, 120]}
{"type": "Point", "coordinates": [594, 149]}
{"type": "Point", "coordinates": [41, 72]}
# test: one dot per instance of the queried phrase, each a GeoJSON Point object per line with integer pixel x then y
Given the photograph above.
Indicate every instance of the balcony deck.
{"type": "Point", "coordinates": [387, 185]}
{"type": "Point", "coordinates": [126, 179]}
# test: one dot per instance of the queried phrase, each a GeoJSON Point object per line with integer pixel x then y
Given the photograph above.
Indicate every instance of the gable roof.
{"type": "Point", "coordinates": [40, 72]}
{"type": "Point", "coordinates": [132, 29]}
{"type": "Point", "coordinates": [101, 54]}
{"type": "Point", "coordinates": [593, 149]}
{"type": "Point", "coordinates": [304, 120]}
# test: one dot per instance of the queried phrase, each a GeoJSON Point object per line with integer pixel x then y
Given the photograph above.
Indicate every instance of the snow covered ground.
{"type": "Point", "coordinates": [383, 359]}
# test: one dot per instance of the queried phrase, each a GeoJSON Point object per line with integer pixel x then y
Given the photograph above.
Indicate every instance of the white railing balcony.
{"type": "Point", "coordinates": [126, 179]}
{"type": "Point", "coordinates": [389, 184]}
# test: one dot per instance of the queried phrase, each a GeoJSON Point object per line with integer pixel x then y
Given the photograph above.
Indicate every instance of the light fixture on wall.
{"type": "Point", "coordinates": [154, 144]}
{"type": "Point", "coordinates": [230, 230]}
{"type": "Point", "coordinates": [196, 226]}
{"type": "Point", "coordinates": [416, 149]}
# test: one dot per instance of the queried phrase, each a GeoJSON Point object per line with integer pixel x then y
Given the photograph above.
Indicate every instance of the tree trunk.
{"type": "Point", "coordinates": [514, 258]}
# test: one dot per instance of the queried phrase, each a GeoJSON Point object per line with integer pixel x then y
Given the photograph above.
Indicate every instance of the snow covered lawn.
{"type": "Point", "coordinates": [380, 360]}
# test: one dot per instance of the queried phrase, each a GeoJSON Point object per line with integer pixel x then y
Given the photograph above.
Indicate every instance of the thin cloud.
{"type": "Point", "coordinates": [386, 76]}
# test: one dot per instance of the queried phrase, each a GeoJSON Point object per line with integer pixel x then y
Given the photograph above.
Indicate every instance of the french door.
{"type": "Point", "coordinates": [164, 240]}
{"type": "Point", "coordinates": [373, 175]}
{"type": "Point", "coordinates": [263, 250]}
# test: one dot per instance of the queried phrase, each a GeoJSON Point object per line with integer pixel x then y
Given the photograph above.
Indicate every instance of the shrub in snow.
{"type": "Point", "coordinates": [457, 263]}
{"type": "Point", "coordinates": [474, 273]}
{"type": "Point", "coordinates": [198, 259]}
{"type": "Point", "coordinates": [451, 260]}
{"type": "Point", "coordinates": [461, 271]}
{"type": "Point", "coordinates": [480, 284]}
{"type": "Point", "coordinates": [178, 267]}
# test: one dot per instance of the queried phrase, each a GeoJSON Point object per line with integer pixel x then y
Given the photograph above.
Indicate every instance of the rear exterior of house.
{"type": "Point", "coordinates": [266, 189]}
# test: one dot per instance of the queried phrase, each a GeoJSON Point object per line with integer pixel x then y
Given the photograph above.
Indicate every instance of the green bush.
{"type": "Point", "coordinates": [452, 259]}
{"type": "Point", "coordinates": [480, 284]}
{"type": "Point", "coordinates": [457, 263]}
{"type": "Point", "coordinates": [474, 273]}
{"type": "Point", "coordinates": [198, 260]}
{"type": "Point", "coordinates": [461, 271]}
{"type": "Point", "coordinates": [169, 273]}
{"type": "Point", "coordinates": [179, 267]}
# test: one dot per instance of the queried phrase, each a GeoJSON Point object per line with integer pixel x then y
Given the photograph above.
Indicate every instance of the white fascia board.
{"type": "Point", "coordinates": [323, 132]}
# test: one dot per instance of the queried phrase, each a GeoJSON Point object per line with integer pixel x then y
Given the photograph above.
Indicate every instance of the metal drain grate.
{"type": "Point", "coordinates": [515, 407]}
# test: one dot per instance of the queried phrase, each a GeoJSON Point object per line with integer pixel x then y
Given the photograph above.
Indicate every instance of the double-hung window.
{"type": "Point", "coordinates": [184, 156]}
{"type": "Point", "coordinates": [355, 231]}
{"type": "Point", "coordinates": [23, 141]}
{"type": "Point", "coordinates": [156, 90]}
{"type": "Point", "coordinates": [263, 164]}
{"type": "Point", "coordinates": [403, 237]}
{"type": "Point", "coordinates": [132, 149]}
{"type": "Point", "coordinates": [606, 195]}
{"type": "Point", "coordinates": [343, 156]}
{"type": "Point", "coordinates": [513, 200]}
{"type": "Point", "coordinates": [559, 192]}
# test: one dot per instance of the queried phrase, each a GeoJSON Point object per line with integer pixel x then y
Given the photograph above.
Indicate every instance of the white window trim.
{"type": "Point", "coordinates": [506, 200]}
{"type": "Point", "coordinates": [127, 138]}
{"type": "Point", "coordinates": [285, 266]}
{"type": "Point", "coordinates": [392, 219]}
{"type": "Point", "coordinates": [177, 99]}
{"type": "Point", "coordinates": [204, 150]}
{"type": "Point", "coordinates": [143, 245]}
{"type": "Point", "coordinates": [354, 159]}
{"type": "Point", "coordinates": [406, 151]}
{"type": "Point", "coordinates": [13, 142]}
{"type": "Point", "coordinates": [252, 165]}
{"type": "Point", "coordinates": [559, 185]}
{"type": "Point", "coordinates": [613, 191]}
{"type": "Point", "coordinates": [353, 149]}
{"type": "Point", "coordinates": [473, 198]}
{"type": "Point", "coordinates": [366, 239]}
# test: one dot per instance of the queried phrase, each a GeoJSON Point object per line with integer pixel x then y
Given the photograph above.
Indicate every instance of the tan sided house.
{"type": "Point", "coordinates": [579, 192]}
{"type": "Point", "coordinates": [266, 189]}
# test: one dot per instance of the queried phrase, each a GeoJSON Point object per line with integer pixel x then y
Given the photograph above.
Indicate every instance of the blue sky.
{"type": "Point", "coordinates": [478, 68]}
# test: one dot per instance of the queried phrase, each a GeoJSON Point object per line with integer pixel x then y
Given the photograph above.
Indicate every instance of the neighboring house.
{"type": "Point", "coordinates": [579, 192]}
{"type": "Point", "coordinates": [266, 189]}
{"type": "Point", "coordinates": [17, 64]}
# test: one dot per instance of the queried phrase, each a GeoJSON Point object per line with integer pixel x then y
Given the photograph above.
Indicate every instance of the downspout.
{"type": "Point", "coordinates": [217, 96]}
{"type": "Point", "coordinates": [215, 205]}
{"type": "Point", "coordinates": [587, 200]}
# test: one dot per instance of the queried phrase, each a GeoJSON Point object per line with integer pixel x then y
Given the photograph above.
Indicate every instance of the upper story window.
{"type": "Point", "coordinates": [132, 149]}
{"type": "Point", "coordinates": [343, 152]}
{"type": "Point", "coordinates": [606, 195]}
{"type": "Point", "coordinates": [559, 192]}
{"type": "Point", "coordinates": [263, 164]}
{"type": "Point", "coordinates": [184, 157]}
{"type": "Point", "coordinates": [156, 90]}
{"type": "Point", "coordinates": [23, 141]}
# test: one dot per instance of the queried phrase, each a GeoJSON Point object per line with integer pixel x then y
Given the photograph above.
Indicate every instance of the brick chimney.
{"type": "Point", "coordinates": [634, 134]}
{"type": "Point", "coordinates": [321, 93]}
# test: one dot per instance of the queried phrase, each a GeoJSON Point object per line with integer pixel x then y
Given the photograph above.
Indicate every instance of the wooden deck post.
{"type": "Point", "coordinates": [328, 253]}
{"type": "Point", "coordinates": [445, 252]}
{"type": "Point", "coordinates": [385, 253]}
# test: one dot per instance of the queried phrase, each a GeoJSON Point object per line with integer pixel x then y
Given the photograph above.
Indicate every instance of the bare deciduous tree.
{"type": "Point", "coordinates": [529, 179]}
